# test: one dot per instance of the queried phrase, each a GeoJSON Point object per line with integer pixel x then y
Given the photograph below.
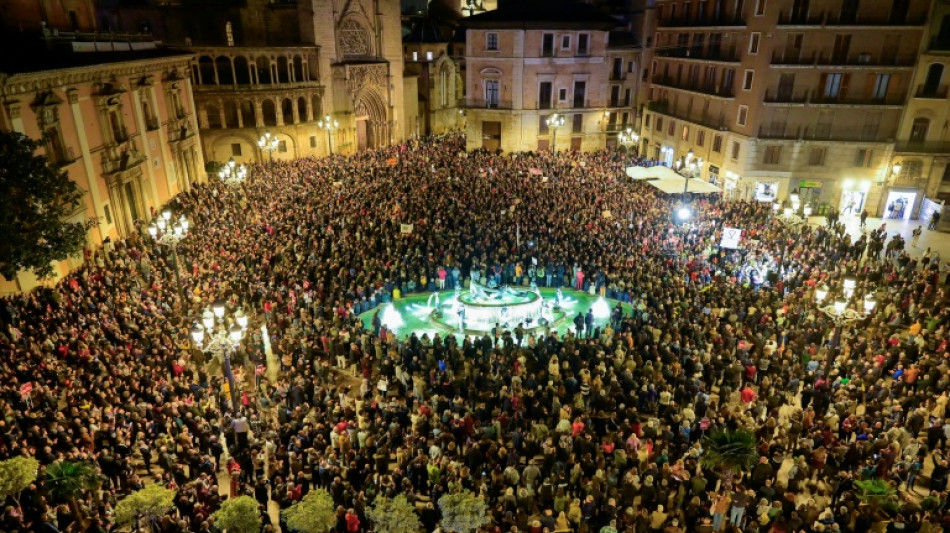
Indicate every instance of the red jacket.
{"type": "Point", "coordinates": [352, 523]}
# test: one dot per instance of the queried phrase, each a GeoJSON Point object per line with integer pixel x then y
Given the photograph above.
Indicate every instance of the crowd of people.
{"type": "Point", "coordinates": [600, 432]}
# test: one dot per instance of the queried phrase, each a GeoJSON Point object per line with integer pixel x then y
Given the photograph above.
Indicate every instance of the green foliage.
{"type": "Point", "coordinates": [463, 512]}
{"type": "Point", "coordinates": [730, 452]}
{"type": "Point", "coordinates": [238, 515]}
{"type": "Point", "coordinates": [929, 504]}
{"type": "Point", "coordinates": [66, 480]}
{"type": "Point", "coordinates": [151, 502]}
{"type": "Point", "coordinates": [36, 198]}
{"type": "Point", "coordinates": [394, 515]}
{"type": "Point", "coordinates": [314, 513]}
{"type": "Point", "coordinates": [16, 474]}
{"type": "Point", "coordinates": [874, 492]}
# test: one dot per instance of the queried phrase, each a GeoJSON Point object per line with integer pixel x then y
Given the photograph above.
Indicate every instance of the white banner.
{"type": "Point", "coordinates": [405, 229]}
{"type": "Point", "coordinates": [730, 238]}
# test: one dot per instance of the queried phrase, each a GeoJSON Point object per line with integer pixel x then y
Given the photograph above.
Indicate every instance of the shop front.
{"type": "Point", "coordinates": [900, 204]}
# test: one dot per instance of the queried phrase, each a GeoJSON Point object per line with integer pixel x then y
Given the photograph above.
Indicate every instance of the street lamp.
{"type": "Point", "coordinates": [329, 124]}
{"type": "Point", "coordinates": [841, 315]}
{"type": "Point", "coordinates": [554, 122]}
{"type": "Point", "coordinates": [268, 144]}
{"type": "Point", "coordinates": [233, 174]}
{"type": "Point", "coordinates": [170, 236]}
{"type": "Point", "coordinates": [223, 341]}
{"type": "Point", "coordinates": [628, 137]}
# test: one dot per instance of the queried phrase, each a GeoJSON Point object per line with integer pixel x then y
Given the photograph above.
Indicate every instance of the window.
{"type": "Point", "coordinates": [728, 76]}
{"type": "Point", "coordinates": [717, 143]}
{"type": "Point", "coordinates": [580, 89]}
{"type": "Point", "coordinates": [543, 125]}
{"type": "Point", "coordinates": [759, 7]}
{"type": "Point", "coordinates": [747, 80]}
{"type": "Point", "coordinates": [236, 149]}
{"type": "Point", "coordinates": [772, 154]}
{"type": "Point", "coordinates": [229, 33]}
{"type": "Point", "coordinates": [816, 157]}
{"type": "Point", "coordinates": [491, 93]}
{"type": "Point", "coordinates": [646, 120]}
{"type": "Point", "coordinates": [282, 146]}
{"type": "Point", "coordinates": [491, 41]}
{"type": "Point", "coordinates": [565, 42]}
{"type": "Point", "coordinates": [743, 115]}
{"type": "Point", "coordinates": [863, 158]}
{"type": "Point", "coordinates": [700, 138]}
{"type": "Point", "coordinates": [918, 131]}
{"type": "Point", "coordinates": [659, 124]}
{"type": "Point", "coordinates": [832, 85]}
{"type": "Point", "coordinates": [544, 95]}
{"type": "Point", "coordinates": [583, 42]}
{"type": "Point", "coordinates": [735, 149]}
{"type": "Point", "coordinates": [578, 126]}
{"type": "Point", "coordinates": [754, 43]}
{"type": "Point", "coordinates": [415, 56]}
{"type": "Point", "coordinates": [562, 94]}
{"type": "Point", "coordinates": [631, 67]}
{"type": "Point", "coordinates": [428, 55]}
{"type": "Point", "coordinates": [107, 212]}
{"type": "Point", "coordinates": [671, 130]}
{"type": "Point", "coordinates": [685, 134]}
{"type": "Point", "coordinates": [881, 81]}
{"type": "Point", "coordinates": [547, 45]}
{"type": "Point", "coordinates": [871, 126]}
{"type": "Point", "coordinates": [313, 141]}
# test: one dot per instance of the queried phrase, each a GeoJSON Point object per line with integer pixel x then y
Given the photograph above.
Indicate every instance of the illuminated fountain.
{"type": "Point", "coordinates": [482, 307]}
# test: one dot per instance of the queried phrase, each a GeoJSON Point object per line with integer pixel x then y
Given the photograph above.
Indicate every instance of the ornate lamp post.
{"type": "Point", "coordinates": [789, 220]}
{"type": "Point", "coordinates": [841, 315]}
{"type": "Point", "coordinates": [232, 174]}
{"type": "Point", "coordinates": [268, 144]}
{"type": "Point", "coordinates": [554, 122]}
{"type": "Point", "coordinates": [169, 234]}
{"type": "Point", "coordinates": [223, 341]}
{"type": "Point", "coordinates": [330, 125]}
{"type": "Point", "coordinates": [627, 137]}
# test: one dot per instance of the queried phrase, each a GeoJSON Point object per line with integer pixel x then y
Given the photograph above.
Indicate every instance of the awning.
{"type": "Point", "coordinates": [675, 185]}
{"type": "Point", "coordinates": [650, 173]}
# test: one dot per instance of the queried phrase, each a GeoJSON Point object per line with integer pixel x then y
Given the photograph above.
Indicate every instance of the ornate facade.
{"type": "Point", "coordinates": [124, 131]}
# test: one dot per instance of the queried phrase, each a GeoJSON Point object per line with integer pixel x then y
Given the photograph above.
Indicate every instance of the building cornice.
{"type": "Point", "coordinates": [30, 82]}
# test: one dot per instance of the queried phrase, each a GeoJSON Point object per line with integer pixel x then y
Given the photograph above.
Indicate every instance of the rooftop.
{"type": "Point", "coordinates": [36, 56]}
{"type": "Point", "coordinates": [538, 14]}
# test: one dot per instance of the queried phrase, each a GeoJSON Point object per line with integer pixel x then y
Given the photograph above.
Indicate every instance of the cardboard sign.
{"type": "Point", "coordinates": [730, 238]}
{"type": "Point", "coordinates": [26, 388]}
{"type": "Point", "coordinates": [405, 229]}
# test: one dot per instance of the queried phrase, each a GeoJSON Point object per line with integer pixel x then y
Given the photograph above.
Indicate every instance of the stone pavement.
{"type": "Point", "coordinates": [937, 241]}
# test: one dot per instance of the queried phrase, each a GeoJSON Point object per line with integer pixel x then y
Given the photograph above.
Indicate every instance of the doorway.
{"type": "Point", "coordinates": [491, 135]}
{"type": "Point", "coordinates": [362, 133]}
{"type": "Point", "coordinates": [899, 205]}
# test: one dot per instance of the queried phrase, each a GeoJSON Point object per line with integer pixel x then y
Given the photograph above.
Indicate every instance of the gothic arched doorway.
{"type": "Point", "coordinates": [371, 125]}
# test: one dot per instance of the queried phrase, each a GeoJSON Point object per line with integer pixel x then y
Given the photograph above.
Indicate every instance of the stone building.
{"type": "Point", "coordinates": [527, 61]}
{"type": "Point", "coordinates": [784, 96]}
{"type": "Point", "coordinates": [280, 66]}
{"type": "Point", "coordinates": [120, 121]}
{"type": "Point", "coordinates": [428, 55]}
{"type": "Point", "coordinates": [919, 167]}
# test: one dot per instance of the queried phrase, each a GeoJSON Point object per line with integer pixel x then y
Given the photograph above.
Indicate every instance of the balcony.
{"type": "Point", "coordinates": [812, 133]}
{"type": "Point", "coordinates": [798, 19]}
{"type": "Point", "coordinates": [779, 132]}
{"type": "Point", "coordinates": [723, 56]}
{"type": "Point", "coordinates": [794, 59]}
{"type": "Point", "coordinates": [785, 97]}
{"type": "Point", "coordinates": [866, 60]}
{"type": "Point", "coordinates": [481, 103]}
{"type": "Point", "coordinates": [918, 147]}
{"type": "Point", "coordinates": [814, 97]}
{"type": "Point", "coordinates": [618, 76]}
{"type": "Point", "coordinates": [878, 21]}
{"type": "Point", "coordinates": [706, 120]}
{"type": "Point", "coordinates": [696, 87]}
{"type": "Point", "coordinates": [938, 44]}
{"type": "Point", "coordinates": [698, 22]}
{"type": "Point", "coordinates": [927, 91]}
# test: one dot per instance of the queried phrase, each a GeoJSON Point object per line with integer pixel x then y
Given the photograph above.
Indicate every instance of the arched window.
{"type": "Point", "coordinates": [354, 39]}
{"type": "Point", "coordinates": [270, 113]}
{"type": "Point", "coordinates": [444, 86]}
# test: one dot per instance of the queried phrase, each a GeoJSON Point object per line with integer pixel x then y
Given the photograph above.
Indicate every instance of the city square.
{"type": "Point", "coordinates": [474, 267]}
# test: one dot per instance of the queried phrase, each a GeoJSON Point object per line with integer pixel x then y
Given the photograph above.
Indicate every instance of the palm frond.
{"type": "Point", "coordinates": [67, 479]}
{"type": "Point", "coordinates": [729, 451]}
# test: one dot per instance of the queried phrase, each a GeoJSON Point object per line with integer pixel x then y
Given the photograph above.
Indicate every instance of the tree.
{"type": "Point", "coordinates": [463, 512]}
{"type": "Point", "coordinates": [16, 474]}
{"type": "Point", "coordinates": [36, 198]}
{"type": "Point", "coordinates": [314, 513]}
{"type": "Point", "coordinates": [729, 452]}
{"type": "Point", "coordinates": [874, 492]}
{"type": "Point", "coordinates": [393, 515]}
{"type": "Point", "coordinates": [239, 515]}
{"type": "Point", "coordinates": [66, 481]}
{"type": "Point", "coordinates": [150, 503]}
